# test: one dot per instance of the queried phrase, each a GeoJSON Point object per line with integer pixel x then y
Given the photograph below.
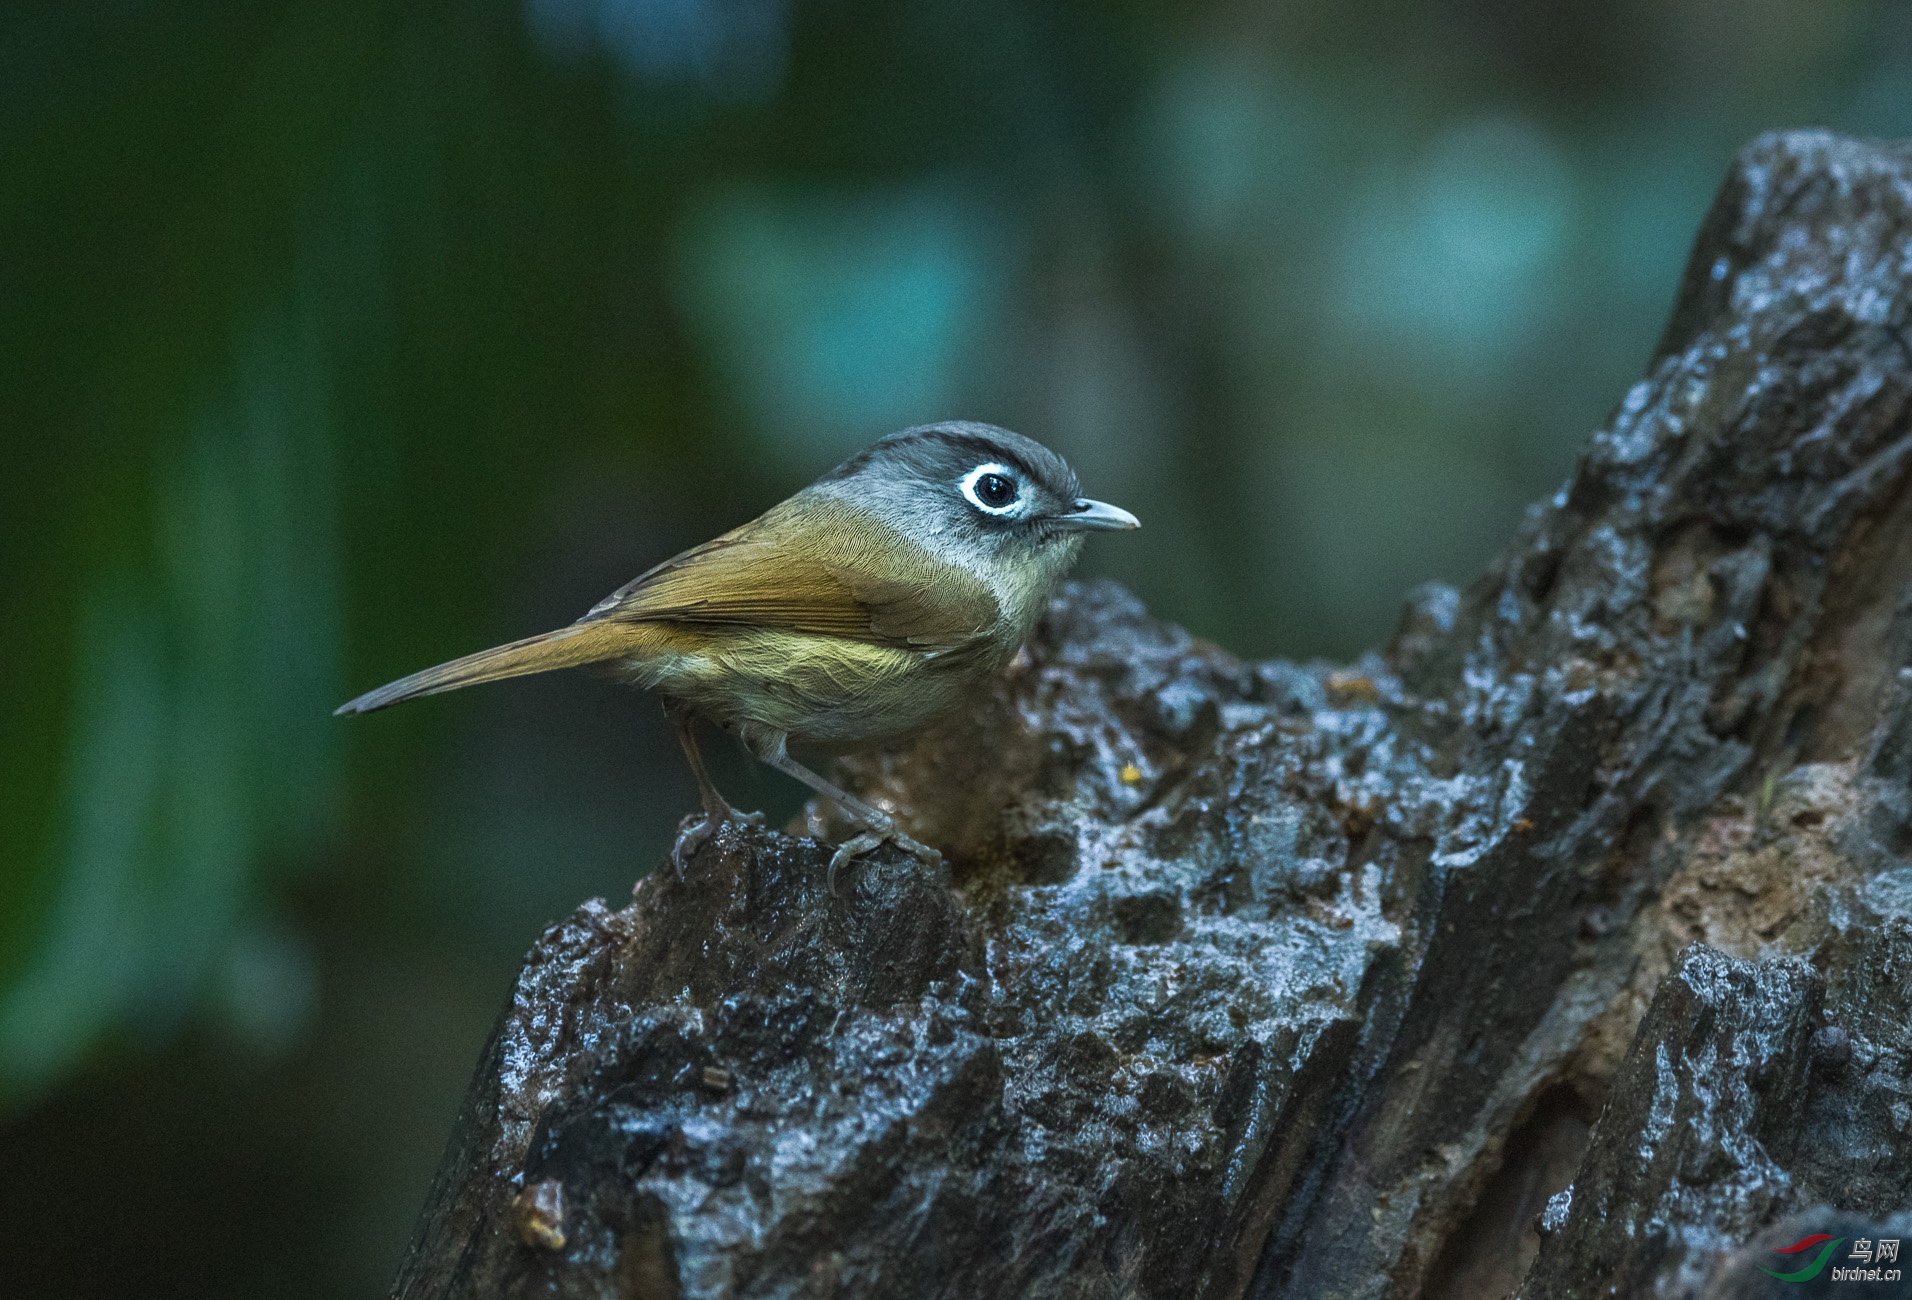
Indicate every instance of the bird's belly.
{"type": "Point", "coordinates": [820, 689]}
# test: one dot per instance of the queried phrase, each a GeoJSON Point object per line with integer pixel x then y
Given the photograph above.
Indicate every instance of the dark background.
{"type": "Point", "coordinates": [339, 338]}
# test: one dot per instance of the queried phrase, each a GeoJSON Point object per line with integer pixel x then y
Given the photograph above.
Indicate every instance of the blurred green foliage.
{"type": "Point", "coordinates": [338, 338]}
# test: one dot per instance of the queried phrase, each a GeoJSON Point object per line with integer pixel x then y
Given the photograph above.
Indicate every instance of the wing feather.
{"type": "Point", "coordinates": [869, 583]}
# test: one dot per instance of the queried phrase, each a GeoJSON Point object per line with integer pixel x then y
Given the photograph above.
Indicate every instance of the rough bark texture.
{"type": "Point", "coordinates": [1266, 980]}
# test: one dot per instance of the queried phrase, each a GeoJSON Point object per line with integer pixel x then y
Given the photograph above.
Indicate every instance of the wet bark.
{"type": "Point", "coordinates": [1564, 948]}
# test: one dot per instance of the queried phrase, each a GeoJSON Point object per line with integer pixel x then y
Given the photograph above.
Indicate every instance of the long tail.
{"type": "Point", "coordinates": [567, 647]}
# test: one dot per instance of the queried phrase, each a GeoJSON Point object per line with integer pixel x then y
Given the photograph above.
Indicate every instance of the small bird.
{"type": "Point", "coordinates": [868, 605]}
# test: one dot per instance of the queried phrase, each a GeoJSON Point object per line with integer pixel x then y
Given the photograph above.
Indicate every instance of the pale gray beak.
{"type": "Point", "coordinates": [1085, 514]}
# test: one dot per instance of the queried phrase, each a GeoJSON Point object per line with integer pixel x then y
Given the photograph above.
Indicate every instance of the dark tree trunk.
{"type": "Point", "coordinates": [1265, 980]}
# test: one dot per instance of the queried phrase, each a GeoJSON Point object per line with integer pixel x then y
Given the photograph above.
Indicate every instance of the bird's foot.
{"type": "Point", "coordinates": [858, 845]}
{"type": "Point", "coordinates": [695, 831]}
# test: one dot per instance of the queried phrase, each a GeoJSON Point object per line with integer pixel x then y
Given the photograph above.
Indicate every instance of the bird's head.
{"type": "Point", "coordinates": [982, 488]}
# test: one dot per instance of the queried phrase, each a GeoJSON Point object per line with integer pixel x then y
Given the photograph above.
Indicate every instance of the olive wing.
{"type": "Point", "coordinates": [815, 565]}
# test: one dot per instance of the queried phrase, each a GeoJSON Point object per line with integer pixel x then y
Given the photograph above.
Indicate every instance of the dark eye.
{"type": "Point", "coordinates": [995, 490]}
{"type": "Point", "coordinates": [992, 488]}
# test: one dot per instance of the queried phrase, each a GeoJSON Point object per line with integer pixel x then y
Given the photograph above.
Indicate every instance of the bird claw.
{"type": "Point", "coordinates": [694, 832]}
{"type": "Point", "coordinates": [868, 841]}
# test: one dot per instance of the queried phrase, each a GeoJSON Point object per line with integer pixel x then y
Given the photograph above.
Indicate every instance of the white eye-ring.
{"type": "Point", "coordinates": [993, 489]}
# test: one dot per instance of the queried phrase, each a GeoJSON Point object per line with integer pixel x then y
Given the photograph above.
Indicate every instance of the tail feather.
{"type": "Point", "coordinates": [567, 647]}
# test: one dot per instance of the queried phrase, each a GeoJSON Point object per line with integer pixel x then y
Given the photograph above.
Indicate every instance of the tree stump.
{"type": "Point", "coordinates": [1564, 948]}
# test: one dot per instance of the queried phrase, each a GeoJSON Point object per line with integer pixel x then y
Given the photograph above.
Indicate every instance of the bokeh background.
{"type": "Point", "coordinates": [340, 337]}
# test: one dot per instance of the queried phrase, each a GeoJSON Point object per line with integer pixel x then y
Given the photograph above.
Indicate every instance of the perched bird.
{"type": "Point", "coordinates": [872, 602]}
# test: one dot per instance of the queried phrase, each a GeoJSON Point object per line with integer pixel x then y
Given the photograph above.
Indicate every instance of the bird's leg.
{"type": "Point", "coordinates": [878, 826]}
{"type": "Point", "coordinates": [717, 810]}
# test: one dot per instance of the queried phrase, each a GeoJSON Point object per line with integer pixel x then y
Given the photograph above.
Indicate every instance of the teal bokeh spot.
{"type": "Point", "coordinates": [838, 316]}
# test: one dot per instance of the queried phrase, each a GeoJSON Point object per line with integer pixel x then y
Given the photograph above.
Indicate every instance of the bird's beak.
{"type": "Point", "coordinates": [1084, 514]}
